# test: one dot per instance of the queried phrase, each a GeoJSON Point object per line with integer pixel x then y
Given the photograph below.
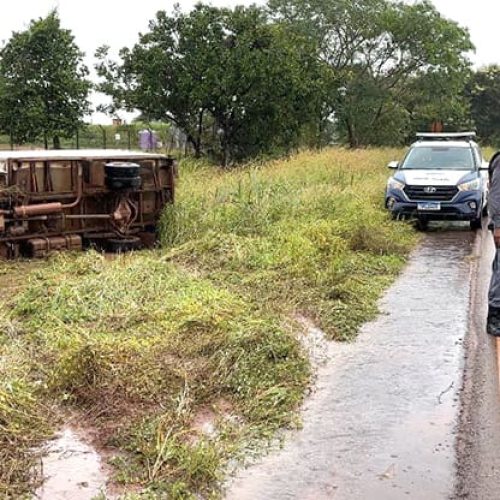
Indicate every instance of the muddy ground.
{"type": "Point", "coordinates": [409, 410]}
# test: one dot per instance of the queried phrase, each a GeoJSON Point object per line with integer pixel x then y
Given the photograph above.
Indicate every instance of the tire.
{"type": "Point", "coordinates": [119, 183]}
{"type": "Point", "coordinates": [476, 224]}
{"type": "Point", "coordinates": [123, 245]}
{"type": "Point", "coordinates": [422, 224]}
{"type": "Point", "coordinates": [120, 170]}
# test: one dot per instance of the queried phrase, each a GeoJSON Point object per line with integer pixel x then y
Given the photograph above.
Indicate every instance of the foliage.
{"type": "Point", "coordinates": [483, 90]}
{"type": "Point", "coordinates": [382, 55]}
{"type": "Point", "coordinates": [143, 347]}
{"type": "Point", "coordinates": [43, 83]}
{"type": "Point", "coordinates": [233, 82]}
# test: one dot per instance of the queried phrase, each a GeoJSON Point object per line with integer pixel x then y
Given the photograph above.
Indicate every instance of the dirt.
{"type": "Point", "coordinates": [382, 421]}
{"type": "Point", "coordinates": [71, 468]}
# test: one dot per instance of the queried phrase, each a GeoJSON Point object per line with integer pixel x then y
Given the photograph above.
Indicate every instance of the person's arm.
{"type": "Point", "coordinates": [494, 201]}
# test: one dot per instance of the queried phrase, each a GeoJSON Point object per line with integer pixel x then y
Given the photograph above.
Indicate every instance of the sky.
{"type": "Point", "coordinates": [117, 22]}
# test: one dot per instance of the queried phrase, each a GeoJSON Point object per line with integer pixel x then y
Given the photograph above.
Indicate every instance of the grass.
{"type": "Point", "coordinates": [148, 345]}
{"type": "Point", "coordinates": [308, 235]}
{"type": "Point", "coordinates": [141, 347]}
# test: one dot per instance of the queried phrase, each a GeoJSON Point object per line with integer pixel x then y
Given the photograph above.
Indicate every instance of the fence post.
{"type": "Point", "coordinates": [103, 136]}
{"type": "Point", "coordinates": [77, 138]}
{"type": "Point", "coordinates": [129, 136]}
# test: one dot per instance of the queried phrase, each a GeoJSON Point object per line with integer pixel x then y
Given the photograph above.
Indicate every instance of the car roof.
{"type": "Point", "coordinates": [448, 144]}
{"type": "Point", "coordinates": [77, 154]}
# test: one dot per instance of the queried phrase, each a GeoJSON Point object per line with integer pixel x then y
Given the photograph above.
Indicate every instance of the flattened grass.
{"type": "Point", "coordinates": [141, 346]}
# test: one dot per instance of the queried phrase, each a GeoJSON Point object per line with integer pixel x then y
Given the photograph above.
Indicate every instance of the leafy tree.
{"type": "Point", "coordinates": [377, 51]}
{"type": "Point", "coordinates": [483, 91]}
{"type": "Point", "coordinates": [43, 83]}
{"type": "Point", "coordinates": [229, 79]}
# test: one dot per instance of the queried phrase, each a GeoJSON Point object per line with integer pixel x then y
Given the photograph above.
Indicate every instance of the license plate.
{"type": "Point", "coordinates": [429, 205]}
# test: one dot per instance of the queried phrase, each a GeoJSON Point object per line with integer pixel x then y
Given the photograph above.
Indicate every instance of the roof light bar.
{"type": "Point", "coordinates": [446, 136]}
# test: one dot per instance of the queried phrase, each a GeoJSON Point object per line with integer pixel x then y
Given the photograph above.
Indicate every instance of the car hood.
{"type": "Point", "coordinates": [434, 177]}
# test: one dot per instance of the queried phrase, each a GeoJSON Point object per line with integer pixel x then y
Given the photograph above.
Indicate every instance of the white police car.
{"type": "Point", "coordinates": [442, 177]}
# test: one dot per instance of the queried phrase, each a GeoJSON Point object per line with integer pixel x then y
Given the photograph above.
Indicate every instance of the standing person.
{"type": "Point", "coordinates": [493, 326]}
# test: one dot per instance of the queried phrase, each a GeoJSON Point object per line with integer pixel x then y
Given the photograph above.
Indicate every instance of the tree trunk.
{"type": "Point", "coordinates": [57, 142]}
{"type": "Point", "coordinates": [196, 145]}
{"type": "Point", "coordinates": [351, 135]}
{"type": "Point", "coordinates": [199, 134]}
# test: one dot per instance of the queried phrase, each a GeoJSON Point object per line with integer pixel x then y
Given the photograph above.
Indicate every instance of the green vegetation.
{"type": "Point", "coordinates": [43, 83]}
{"type": "Point", "coordinates": [142, 347]}
{"type": "Point", "coordinates": [483, 91]}
{"type": "Point", "coordinates": [149, 346]}
{"type": "Point", "coordinates": [253, 81]}
{"type": "Point", "coordinates": [308, 235]}
{"type": "Point", "coordinates": [233, 84]}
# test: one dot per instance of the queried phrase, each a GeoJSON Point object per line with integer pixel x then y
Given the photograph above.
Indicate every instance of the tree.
{"type": "Point", "coordinates": [483, 91]}
{"type": "Point", "coordinates": [229, 79]}
{"type": "Point", "coordinates": [377, 50]}
{"type": "Point", "coordinates": [43, 83]}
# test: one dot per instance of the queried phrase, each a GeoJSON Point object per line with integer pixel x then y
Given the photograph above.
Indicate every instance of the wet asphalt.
{"type": "Point", "coordinates": [392, 415]}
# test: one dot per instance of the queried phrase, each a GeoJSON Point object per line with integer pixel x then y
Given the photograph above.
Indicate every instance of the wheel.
{"type": "Point", "coordinates": [476, 224]}
{"type": "Point", "coordinates": [123, 182]}
{"type": "Point", "coordinates": [122, 245]}
{"type": "Point", "coordinates": [422, 224]}
{"type": "Point", "coordinates": [118, 170]}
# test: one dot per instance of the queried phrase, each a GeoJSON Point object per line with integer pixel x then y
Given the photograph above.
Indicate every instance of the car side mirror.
{"type": "Point", "coordinates": [393, 165]}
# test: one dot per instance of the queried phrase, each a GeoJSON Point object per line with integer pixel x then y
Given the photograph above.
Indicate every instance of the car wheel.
{"type": "Point", "coordinates": [122, 245]}
{"type": "Point", "coordinates": [476, 224]}
{"type": "Point", "coordinates": [422, 224]}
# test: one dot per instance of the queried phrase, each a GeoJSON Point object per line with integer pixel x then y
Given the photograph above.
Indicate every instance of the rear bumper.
{"type": "Point", "coordinates": [466, 206]}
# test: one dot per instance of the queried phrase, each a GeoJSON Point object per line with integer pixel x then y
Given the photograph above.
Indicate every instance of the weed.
{"type": "Point", "coordinates": [309, 234]}
{"type": "Point", "coordinates": [142, 343]}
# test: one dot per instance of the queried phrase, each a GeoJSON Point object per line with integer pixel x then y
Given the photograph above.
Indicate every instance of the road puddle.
{"type": "Point", "coordinates": [71, 469]}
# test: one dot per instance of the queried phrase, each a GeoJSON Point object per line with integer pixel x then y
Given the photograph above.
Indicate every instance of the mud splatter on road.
{"type": "Point", "coordinates": [72, 469]}
{"type": "Point", "coordinates": [381, 422]}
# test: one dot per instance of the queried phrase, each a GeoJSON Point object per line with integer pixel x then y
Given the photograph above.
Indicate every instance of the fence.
{"type": "Point", "coordinates": [161, 138]}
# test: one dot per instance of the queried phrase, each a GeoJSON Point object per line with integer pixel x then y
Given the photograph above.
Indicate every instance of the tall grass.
{"type": "Point", "coordinates": [307, 235]}
{"type": "Point", "coordinates": [143, 344]}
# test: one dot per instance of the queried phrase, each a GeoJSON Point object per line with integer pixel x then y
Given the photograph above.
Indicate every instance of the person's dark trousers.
{"type": "Point", "coordinates": [493, 326]}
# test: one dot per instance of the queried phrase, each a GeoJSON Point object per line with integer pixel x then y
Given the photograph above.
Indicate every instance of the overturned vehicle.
{"type": "Point", "coordinates": [69, 200]}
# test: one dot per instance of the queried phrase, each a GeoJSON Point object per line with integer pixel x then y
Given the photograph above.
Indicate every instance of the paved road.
{"type": "Point", "coordinates": [384, 419]}
{"type": "Point", "coordinates": [478, 438]}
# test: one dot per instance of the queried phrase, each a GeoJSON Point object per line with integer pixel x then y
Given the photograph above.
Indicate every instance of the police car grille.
{"type": "Point", "coordinates": [434, 193]}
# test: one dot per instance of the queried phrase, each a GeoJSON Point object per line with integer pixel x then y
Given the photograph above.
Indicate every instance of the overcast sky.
{"type": "Point", "coordinates": [117, 22]}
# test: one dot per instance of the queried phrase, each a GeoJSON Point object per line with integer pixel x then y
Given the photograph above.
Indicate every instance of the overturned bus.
{"type": "Point", "coordinates": [69, 200]}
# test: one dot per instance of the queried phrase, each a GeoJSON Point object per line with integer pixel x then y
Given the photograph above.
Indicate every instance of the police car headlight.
{"type": "Point", "coordinates": [395, 184]}
{"type": "Point", "coordinates": [470, 186]}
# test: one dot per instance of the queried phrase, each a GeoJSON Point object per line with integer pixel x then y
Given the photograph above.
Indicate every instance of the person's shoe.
{"type": "Point", "coordinates": [493, 325]}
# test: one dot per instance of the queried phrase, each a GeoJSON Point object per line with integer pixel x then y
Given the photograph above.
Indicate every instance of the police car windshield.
{"type": "Point", "coordinates": [439, 158]}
